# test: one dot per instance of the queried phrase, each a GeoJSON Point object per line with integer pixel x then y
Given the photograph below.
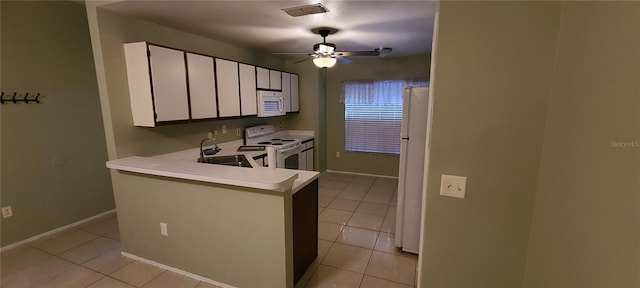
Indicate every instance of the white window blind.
{"type": "Point", "coordinates": [373, 114]}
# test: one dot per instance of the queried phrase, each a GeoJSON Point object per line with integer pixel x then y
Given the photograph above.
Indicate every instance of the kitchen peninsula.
{"type": "Point", "coordinates": [237, 226]}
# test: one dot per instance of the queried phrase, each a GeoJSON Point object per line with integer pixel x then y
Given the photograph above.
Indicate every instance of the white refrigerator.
{"type": "Point", "coordinates": [412, 158]}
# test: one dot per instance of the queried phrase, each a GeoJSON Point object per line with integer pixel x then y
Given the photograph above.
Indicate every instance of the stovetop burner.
{"type": "Point", "coordinates": [262, 135]}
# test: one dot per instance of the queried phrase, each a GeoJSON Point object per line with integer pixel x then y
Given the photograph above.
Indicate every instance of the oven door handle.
{"type": "Point", "coordinates": [292, 148]}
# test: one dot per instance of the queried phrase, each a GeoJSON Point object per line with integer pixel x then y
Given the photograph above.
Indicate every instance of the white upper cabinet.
{"type": "Point", "coordinates": [286, 91]}
{"type": "Point", "coordinates": [228, 88]}
{"type": "Point", "coordinates": [249, 105]}
{"type": "Point", "coordinates": [268, 79]}
{"type": "Point", "coordinates": [139, 89]}
{"type": "Point", "coordinates": [275, 80]}
{"type": "Point", "coordinates": [157, 84]}
{"type": "Point", "coordinates": [167, 84]}
{"type": "Point", "coordinates": [202, 86]}
{"type": "Point", "coordinates": [168, 77]}
{"type": "Point", "coordinates": [262, 75]}
{"type": "Point", "coordinates": [295, 103]}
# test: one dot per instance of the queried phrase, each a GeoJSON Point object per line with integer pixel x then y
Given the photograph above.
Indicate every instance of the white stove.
{"type": "Point", "coordinates": [287, 150]}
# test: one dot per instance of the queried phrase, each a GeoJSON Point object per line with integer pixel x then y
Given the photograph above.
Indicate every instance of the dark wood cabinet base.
{"type": "Point", "coordinates": [305, 229]}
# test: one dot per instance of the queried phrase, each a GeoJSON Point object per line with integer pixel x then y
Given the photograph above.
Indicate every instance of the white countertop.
{"type": "Point", "coordinates": [183, 165]}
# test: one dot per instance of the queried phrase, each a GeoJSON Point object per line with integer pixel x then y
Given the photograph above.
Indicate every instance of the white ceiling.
{"type": "Point", "coordinates": [405, 26]}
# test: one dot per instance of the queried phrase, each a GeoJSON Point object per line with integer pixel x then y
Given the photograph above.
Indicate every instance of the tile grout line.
{"type": "Point", "coordinates": [94, 282]}
{"type": "Point", "coordinates": [389, 205]}
{"type": "Point", "coordinates": [56, 230]}
{"type": "Point", "coordinates": [80, 244]}
{"type": "Point", "coordinates": [82, 265]}
{"type": "Point", "coordinates": [154, 278]}
{"type": "Point", "coordinates": [72, 263]}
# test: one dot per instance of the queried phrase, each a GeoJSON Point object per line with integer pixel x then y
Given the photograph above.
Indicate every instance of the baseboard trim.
{"type": "Point", "coordinates": [14, 245]}
{"type": "Point", "coordinates": [176, 270]}
{"type": "Point", "coordinates": [362, 174]}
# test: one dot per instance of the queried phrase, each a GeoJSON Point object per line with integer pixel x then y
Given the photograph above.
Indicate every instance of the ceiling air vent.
{"type": "Point", "coordinates": [306, 10]}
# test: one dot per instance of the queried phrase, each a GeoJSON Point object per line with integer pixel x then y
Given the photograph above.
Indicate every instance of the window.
{"type": "Point", "coordinates": [373, 114]}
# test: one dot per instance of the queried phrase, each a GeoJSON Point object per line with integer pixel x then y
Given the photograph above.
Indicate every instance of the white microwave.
{"type": "Point", "coordinates": [270, 103]}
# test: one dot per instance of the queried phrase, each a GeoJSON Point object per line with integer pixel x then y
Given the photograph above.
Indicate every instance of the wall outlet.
{"type": "Point", "coordinates": [224, 129]}
{"type": "Point", "coordinates": [163, 229]}
{"type": "Point", "coordinates": [453, 186]}
{"type": "Point", "coordinates": [210, 135]}
{"type": "Point", "coordinates": [215, 133]}
{"type": "Point", "coordinates": [238, 131]}
{"type": "Point", "coordinates": [338, 154]}
{"type": "Point", "coordinates": [7, 212]}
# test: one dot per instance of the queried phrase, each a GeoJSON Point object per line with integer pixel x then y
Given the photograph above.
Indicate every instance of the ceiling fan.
{"type": "Point", "coordinates": [325, 55]}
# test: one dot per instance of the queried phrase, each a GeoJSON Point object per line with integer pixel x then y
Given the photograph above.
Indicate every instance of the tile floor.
{"type": "Point", "coordinates": [356, 226]}
{"type": "Point", "coordinates": [84, 256]}
{"type": "Point", "coordinates": [355, 248]}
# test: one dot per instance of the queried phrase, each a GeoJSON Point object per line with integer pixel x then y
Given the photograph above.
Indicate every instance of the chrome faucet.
{"type": "Point", "coordinates": [208, 151]}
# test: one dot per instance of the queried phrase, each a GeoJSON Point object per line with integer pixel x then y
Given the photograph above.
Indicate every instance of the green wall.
{"type": "Point", "coordinates": [53, 153]}
{"type": "Point", "coordinates": [234, 235]}
{"type": "Point", "coordinates": [586, 221]}
{"type": "Point", "coordinates": [380, 68]}
{"type": "Point", "coordinates": [538, 104]}
{"type": "Point", "coordinates": [110, 31]}
{"type": "Point", "coordinates": [492, 81]}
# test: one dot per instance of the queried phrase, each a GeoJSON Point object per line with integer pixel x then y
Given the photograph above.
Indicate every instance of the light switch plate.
{"type": "Point", "coordinates": [163, 229]}
{"type": "Point", "coordinates": [453, 186]}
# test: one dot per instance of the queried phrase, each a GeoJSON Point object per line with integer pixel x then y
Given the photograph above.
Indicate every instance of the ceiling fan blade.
{"type": "Point", "coordinates": [305, 59]}
{"type": "Point", "coordinates": [359, 53]}
{"type": "Point", "coordinates": [344, 60]}
{"type": "Point", "coordinates": [292, 53]}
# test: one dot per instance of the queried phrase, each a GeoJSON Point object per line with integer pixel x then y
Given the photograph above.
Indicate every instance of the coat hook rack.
{"type": "Point", "coordinates": [17, 98]}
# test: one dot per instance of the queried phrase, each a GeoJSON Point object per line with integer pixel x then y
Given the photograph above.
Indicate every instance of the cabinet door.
{"type": "Point", "coordinates": [248, 102]}
{"type": "Point", "coordinates": [228, 88]}
{"type": "Point", "coordinates": [275, 80]}
{"type": "Point", "coordinates": [169, 80]}
{"type": "Point", "coordinates": [262, 77]}
{"type": "Point", "coordinates": [286, 91]}
{"type": "Point", "coordinates": [302, 161]}
{"type": "Point", "coordinates": [295, 103]}
{"type": "Point", "coordinates": [202, 86]}
{"type": "Point", "coordinates": [310, 160]}
{"type": "Point", "coordinates": [140, 94]}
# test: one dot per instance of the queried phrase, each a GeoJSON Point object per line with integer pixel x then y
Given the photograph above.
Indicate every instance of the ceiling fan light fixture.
{"type": "Point", "coordinates": [324, 48]}
{"type": "Point", "coordinates": [324, 62]}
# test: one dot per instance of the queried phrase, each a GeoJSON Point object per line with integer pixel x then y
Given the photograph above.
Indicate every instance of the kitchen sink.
{"type": "Point", "coordinates": [231, 160]}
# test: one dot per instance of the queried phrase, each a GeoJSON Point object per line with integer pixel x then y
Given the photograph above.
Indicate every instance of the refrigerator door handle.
{"type": "Point", "coordinates": [404, 138]}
